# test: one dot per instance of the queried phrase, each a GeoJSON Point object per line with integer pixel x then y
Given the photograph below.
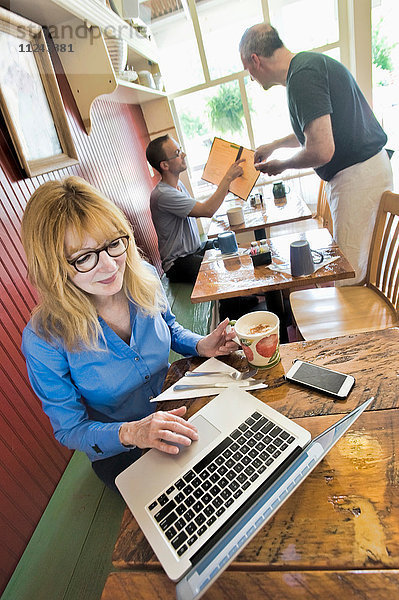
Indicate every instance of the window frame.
{"type": "Point", "coordinates": [354, 44]}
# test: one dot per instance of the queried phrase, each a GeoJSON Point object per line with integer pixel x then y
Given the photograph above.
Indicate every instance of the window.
{"type": "Point", "coordinates": [198, 42]}
{"type": "Point", "coordinates": [385, 16]}
{"type": "Point", "coordinates": [269, 112]}
{"type": "Point", "coordinates": [179, 57]}
{"type": "Point", "coordinates": [305, 24]}
{"type": "Point", "coordinates": [221, 28]}
{"type": "Point", "coordinates": [215, 111]}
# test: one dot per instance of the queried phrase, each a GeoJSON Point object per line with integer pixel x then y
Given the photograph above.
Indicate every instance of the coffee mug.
{"type": "Point", "coordinates": [259, 335]}
{"type": "Point", "coordinates": [226, 242]}
{"type": "Point", "coordinates": [301, 258]}
{"type": "Point", "coordinates": [235, 215]}
{"type": "Point", "coordinates": [280, 190]}
{"type": "Point", "coordinates": [252, 201]}
{"type": "Point", "coordinates": [146, 79]}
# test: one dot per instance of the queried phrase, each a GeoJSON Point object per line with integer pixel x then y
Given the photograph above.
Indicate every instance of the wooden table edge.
{"type": "Point", "coordinates": [265, 225]}
{"type": "Point", "coordinates": [299, 282]}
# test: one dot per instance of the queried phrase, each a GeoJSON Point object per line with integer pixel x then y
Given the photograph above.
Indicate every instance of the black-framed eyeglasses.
{"type": "Point", "coordinates": [176, 154]}
{"type": "Point", "coordinates": [87, 261]}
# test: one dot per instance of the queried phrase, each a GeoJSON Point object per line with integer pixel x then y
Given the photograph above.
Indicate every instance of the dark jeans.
{"type": "Point", "coordinates": [234, 308]}
{"type": "Point", "coordinates": [185, 269]}
{"type": "Point", "coordinates": [108, 468]}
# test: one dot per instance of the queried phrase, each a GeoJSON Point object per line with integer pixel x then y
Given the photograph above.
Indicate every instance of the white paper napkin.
{"type": "Point", "coordinates": [217, 255]}
{"type": "Point", "coordinates": [285, 267]}
{"type": "Point", "coordinates": [212, 364]}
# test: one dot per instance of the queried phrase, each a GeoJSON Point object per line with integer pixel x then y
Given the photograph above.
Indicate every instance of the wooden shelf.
{"type": "Point", "coordinates": [53, 13]}
{"type": "Point", "coordinates": [133, 93]}
{"type": "Point", "coordinates": [80, 25]}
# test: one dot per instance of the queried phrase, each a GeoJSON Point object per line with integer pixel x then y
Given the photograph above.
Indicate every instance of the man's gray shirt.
{"type": "Point", "coordinates": [178, 233]}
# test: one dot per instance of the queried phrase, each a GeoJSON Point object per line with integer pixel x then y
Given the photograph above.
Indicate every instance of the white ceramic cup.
{"type": "Point", "coordinates": [262, 348]}
{"type": "Point", "coordinates": [146, 78]}
{"type": "Point", "coordinates": [235, 215]}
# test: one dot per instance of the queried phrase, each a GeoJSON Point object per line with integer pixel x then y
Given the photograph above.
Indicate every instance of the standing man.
{"type": "Point", "coordinates": [173, 210]}
{"type": "Point", "coordinates": [336, 129]}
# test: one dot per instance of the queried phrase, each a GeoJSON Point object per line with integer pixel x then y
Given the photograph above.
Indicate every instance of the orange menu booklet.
{"type": "Point", "coordinates": [221, 156]}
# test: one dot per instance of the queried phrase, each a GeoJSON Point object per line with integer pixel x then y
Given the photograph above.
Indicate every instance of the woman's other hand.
{"type": "Point", "coordinates": [219, 342]}
{"type": "Point", "coordinates": [157, 429]}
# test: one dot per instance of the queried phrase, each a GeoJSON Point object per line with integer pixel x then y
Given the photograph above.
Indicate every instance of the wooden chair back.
{"type": "Point", "coordinates": [383, 267]}
{"type": "Point", "coordinates": [323, 209]}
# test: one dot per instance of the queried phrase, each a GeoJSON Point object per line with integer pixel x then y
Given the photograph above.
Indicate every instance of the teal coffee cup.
{"type": "Point", "coordinates": [280, 190]}
{"type": "Point", "coordinates": [226, 242]}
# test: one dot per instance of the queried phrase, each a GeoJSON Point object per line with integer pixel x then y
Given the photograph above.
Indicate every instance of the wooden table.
{"type": "Point", "coordinates": [236, 276]}
{"type": "Point", "coordinates": [337, 536]}
{"type": "Point", "coordinates": [274, 212]}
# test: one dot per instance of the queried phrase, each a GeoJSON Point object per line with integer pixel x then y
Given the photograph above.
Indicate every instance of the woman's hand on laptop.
{"type": "Point", "coordinates": [160, 430]}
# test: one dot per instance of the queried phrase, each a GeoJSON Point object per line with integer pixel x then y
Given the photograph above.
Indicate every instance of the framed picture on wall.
{"type": "Point", "coordinates": [30, 100]}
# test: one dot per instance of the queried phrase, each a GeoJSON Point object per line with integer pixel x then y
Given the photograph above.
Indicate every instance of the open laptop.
{"type": "Point", "coordinates": [199, 508]}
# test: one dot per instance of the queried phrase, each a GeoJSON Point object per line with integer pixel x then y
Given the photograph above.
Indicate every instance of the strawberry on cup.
{"type": "Point", "coordinates": [259, 334]}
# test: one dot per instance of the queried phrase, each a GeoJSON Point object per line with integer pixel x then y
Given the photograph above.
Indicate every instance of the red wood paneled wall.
{"type": "Point", "coordinates": [113, 159]}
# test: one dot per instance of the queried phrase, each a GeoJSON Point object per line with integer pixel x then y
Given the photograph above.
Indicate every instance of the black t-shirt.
{"type": "Point", "coordinates": [318, 85]}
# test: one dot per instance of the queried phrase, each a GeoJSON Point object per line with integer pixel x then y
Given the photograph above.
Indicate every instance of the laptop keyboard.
{"type": "Point", "coordinates": [193, 502]}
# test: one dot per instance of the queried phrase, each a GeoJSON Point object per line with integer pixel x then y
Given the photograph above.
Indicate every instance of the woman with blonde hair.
{"type": "Point", "coordinates": [97, 344]}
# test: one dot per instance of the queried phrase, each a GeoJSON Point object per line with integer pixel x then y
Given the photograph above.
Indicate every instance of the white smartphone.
{"type": "Point", "coordinates": [320, 379]}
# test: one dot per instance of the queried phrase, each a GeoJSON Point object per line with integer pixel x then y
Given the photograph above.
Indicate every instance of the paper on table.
{"type": "Point", "coordinates": [215, 255]}
{"type": "Point", "coordinates": [212, 364]}
{"type": "Point", "coordinates": [285, 267]}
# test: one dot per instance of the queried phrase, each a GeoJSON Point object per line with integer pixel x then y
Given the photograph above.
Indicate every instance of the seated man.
{"type": "Point", "coordinates": [173, 210]}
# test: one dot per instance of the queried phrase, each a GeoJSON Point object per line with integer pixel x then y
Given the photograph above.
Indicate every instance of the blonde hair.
{"type": "Point", "coordinates": [65, 311]}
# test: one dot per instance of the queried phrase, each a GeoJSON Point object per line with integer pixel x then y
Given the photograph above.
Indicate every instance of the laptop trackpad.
{"type": "Point", "coordinates": [206, 434]}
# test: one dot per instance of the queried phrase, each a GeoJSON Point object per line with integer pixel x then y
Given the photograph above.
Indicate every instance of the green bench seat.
{"type": "Point", "coordinates": [69, 554]}
{"type": "Point", "coordinates": [196, 317]}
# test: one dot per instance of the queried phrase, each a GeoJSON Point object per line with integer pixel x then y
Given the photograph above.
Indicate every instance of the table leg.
{"type": "Point", "coordinates": [275, 304]}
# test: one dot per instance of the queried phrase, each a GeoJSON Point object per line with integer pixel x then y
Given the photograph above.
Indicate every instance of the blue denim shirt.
{"type": "Point", "coordinates": [87, 395]}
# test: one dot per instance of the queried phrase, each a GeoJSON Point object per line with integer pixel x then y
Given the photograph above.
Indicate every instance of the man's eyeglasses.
{"type": "Point", "coordinates": [176, 154]}
{"type": "Point", "coordinates": [86, 262]}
